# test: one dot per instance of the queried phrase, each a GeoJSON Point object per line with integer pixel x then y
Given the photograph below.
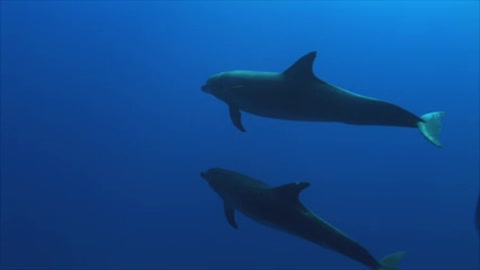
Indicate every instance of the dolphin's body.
{"type": "Point", "coordinates": [297, 94]}
{"type": "Point", "coordinates": [280, 208]}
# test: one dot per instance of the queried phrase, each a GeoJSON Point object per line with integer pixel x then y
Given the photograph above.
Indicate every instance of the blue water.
{"type": "Point", "coordinates": [104, 133]}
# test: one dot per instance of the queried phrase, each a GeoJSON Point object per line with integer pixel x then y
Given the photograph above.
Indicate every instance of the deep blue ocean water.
{"type": "Point", "coordinates": [104, 133]}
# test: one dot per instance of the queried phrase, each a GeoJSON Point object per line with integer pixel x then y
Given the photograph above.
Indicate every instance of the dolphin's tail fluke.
{"type": "Point", "coordinates": [430, 127]}
{"type": "Point", "coordinates": [390, 262]}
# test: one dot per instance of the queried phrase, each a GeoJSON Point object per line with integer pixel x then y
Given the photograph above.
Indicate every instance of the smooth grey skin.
{"type": "Point", "coordinates": [280, 208]}
{"type": "Point", "coordinates": [297, 94]}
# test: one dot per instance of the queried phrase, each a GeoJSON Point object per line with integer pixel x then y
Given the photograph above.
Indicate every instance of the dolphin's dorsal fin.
{"type": "Point", "coordinates": [291, 191]}
{"type": "Point", "coordinates": [230, 215]}
{"type": "Point", "coordinates": [302, 69]}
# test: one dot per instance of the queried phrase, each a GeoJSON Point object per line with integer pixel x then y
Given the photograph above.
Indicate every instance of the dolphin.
{"type": "Point", "coordinates": [279, 208]}
{"type": "Point", "coordinates": [297, 94]}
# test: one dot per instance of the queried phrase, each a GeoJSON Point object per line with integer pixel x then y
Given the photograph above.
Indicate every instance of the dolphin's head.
{"type": "Point", "coordinates": [224, 182]}
{"type": "Point", "coordinates": [213, 84]}
{"type": "Point", "coordinates": [224, 84]}
{"type": "Point", "coordinates": [216, 179]}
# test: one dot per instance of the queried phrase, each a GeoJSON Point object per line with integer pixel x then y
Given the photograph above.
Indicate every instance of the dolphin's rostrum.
{"type": "Point", "coordinates": [280, 208]}
{"type": "Point", "coordinates": [297, 94]}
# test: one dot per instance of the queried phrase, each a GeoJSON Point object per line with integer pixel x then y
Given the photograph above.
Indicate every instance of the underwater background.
{"type": "Point", "coordinates": [104, 132]}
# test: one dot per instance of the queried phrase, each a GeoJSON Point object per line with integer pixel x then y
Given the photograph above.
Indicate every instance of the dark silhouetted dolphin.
{"type": "Point", "coordinates": [297, 94]}
{"type": "Point", "coordinates": [280, 208]}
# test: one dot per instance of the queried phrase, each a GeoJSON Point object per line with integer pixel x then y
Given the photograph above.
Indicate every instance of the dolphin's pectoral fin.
{"type": "Point", "coordinates": [230, 214]}
{"type": "Point", "coordinates": [291, 191]}
{"type": "Point", "coordinates": [236, 117]}
{"type": "Point", "coordinates": [302, 69]}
